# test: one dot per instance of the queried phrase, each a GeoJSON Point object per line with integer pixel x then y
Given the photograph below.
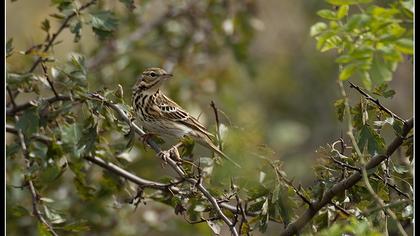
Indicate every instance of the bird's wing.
{"type": "Point", "coordinates": [172, 111]}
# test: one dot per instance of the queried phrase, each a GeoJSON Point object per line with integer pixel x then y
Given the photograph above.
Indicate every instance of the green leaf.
{"type": "Point", "coordinates": [264, 217]}
{"type": "Point", "coordinates": [366, 81]}
{"type": "Point", "coordinates": [214, 226]}
{"type": "Point", "coordinates": [28, 122]}
{"type": "Point", "coordinates": [327, 14]}
{"type": "Point", "coordinates": [76, 27]}
{"type": "Point", "coordinates": [53, 216]}
{"type": "Point", "coordinates": [85, 192]}
{"type": "Point", "coordinates": [70, 136]}
{"type": "Point", "coordinates": [129, 4]}
{"type": "Point", "coordinates": [347, 71]}
{"type": "Point", "coordinates": [45, 25]}
{"type": "Point", "coordinates": [103, 23]}
{"type": "Point", "coordinates": [382, 90]}
{"type": "Point", "coordinates": [339, 106]}
{"type": "Point", "coordinates": [38, 149]}
{"type": "Point", "coordinates": [284, 205]}
{"type": "Point", "coordinates": [347, 2]}
{"type": "Point", "coordinates": [380, 72]}
{"type": "Point", "coordinates": [409, 5]}
{"type": "Point", "coordinates": [87, 140]}
{"type": "Point", "coordinates": [187, 146]}
{"type": "Point", "coordinates": [9, 47]}
{"type": "Point", "coordinates": [318, 28]}
{"type": "Point", "coordinates": [50, 173]}
{"type": "Point", "coordinates": [357, 21]}
{"type": "Point", "coordinates": [19, 211]}
{"type": "Point", "coordinates": [245, 228]}
{"type": "Point", "coordinates": [62, 4]}
{"type": "Point", "coordinates": [12, 149]}
{"type": "Point", "coordinates": [43, 230]}
{"type": "Point", "coordinates": [375, 143]}
{"type": "Point", "coordinates": [405, 45]}
{"type": "Point", "coordinates": [342, 11]}
{"type": "Point", "coordinates": [79, 226]}
{"type": "Point", "coordinates": [18, 80]}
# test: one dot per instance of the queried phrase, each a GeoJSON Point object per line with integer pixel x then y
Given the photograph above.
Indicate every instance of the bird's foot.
{"type": "Point", "coordinates": [171, 153]}
{"type": "Point", "coordinates": [164, 155]}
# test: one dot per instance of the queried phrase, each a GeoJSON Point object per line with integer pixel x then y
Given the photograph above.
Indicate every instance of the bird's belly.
{"type": "Point", "coordinates": [166, 128]}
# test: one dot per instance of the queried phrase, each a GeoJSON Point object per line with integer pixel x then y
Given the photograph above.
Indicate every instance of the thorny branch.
{"type": "Point", "coordinates": [348, 182]}
{"type": "Point", "coordinates": [348, 166]}
{"type": "Point", "coordinates": [376, 101]}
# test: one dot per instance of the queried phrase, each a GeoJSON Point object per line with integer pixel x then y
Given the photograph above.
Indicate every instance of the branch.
{"type": "Point", "coordinates": [49, 43]}
{"type": "Point", "coordinates": [171, 162]}
{"type": "Point", "coordinates": [353, 179]}
{"type": "Point", "coordinates": [130, 176]}
{"type": "Point", "coordinates": [347, 183]}
{"type": "Point", "coordinates": [376, 101]}
{"type": "Point", "coordinates": [34, 194]}
{"type": "Point", "coordinates": [17, 108]}
{"type": "Point", "coordinates": [137, 35]}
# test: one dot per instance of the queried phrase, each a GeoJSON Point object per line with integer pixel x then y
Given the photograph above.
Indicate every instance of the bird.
{"type": "Point", "coordinates": [160, 115]}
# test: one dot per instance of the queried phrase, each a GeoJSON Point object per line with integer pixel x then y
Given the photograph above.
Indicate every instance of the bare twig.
{"type": "Point", "coordinates": [376, 101]}
{"type": "Point", "coordinates": [216, 115]}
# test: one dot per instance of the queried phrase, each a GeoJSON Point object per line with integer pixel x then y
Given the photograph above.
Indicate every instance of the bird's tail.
{"type": "Point", "coordinates": [220, 153]}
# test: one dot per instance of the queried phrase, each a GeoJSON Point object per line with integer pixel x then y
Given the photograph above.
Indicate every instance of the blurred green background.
{"type": "Point", "coordinates": [274, 87]}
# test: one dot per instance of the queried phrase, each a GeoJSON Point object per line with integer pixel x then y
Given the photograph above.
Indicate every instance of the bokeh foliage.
{"type": "Point", "coordinates": [208, 46]}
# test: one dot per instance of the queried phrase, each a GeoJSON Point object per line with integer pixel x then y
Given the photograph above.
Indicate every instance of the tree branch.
{"type": "Point", "coordinates": [49, 43]}
{"type": "Point", "coordinates": [347, 183]}
{"type": "Point", "coordinates": [34, 194]}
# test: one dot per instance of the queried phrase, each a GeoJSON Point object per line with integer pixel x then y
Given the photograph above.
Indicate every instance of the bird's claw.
{"type": "Point", "coordinates": [172, 153]}
{"type": "Point", "coordinates": [164, 155]}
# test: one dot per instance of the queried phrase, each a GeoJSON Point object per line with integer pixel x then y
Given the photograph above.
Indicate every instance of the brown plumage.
{"type": "Point", "coordinates": [159, 114]}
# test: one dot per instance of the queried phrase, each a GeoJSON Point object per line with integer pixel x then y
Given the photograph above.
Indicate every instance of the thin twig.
{"type": "Point", "coordinates": [64, 25]}
{"type": "Point", "coordinates": [17, 108]}
{"type": "Point", "coordinates": [44, 68]}
{"type": "Point", "coordinates": [376, 101]}
{"type": "Point", "coordinates": [216, 115]}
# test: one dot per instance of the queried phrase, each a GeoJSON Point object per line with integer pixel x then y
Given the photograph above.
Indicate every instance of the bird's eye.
{"type": "Point", "coordinates": [153, 74]}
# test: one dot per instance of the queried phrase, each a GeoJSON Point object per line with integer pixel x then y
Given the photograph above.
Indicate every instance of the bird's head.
{"type": "Point", "coordinates": [151, 79]}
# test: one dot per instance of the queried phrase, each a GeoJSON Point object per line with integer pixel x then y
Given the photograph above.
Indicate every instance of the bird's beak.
{"type": "Point", "coordinates": [167, 76]}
